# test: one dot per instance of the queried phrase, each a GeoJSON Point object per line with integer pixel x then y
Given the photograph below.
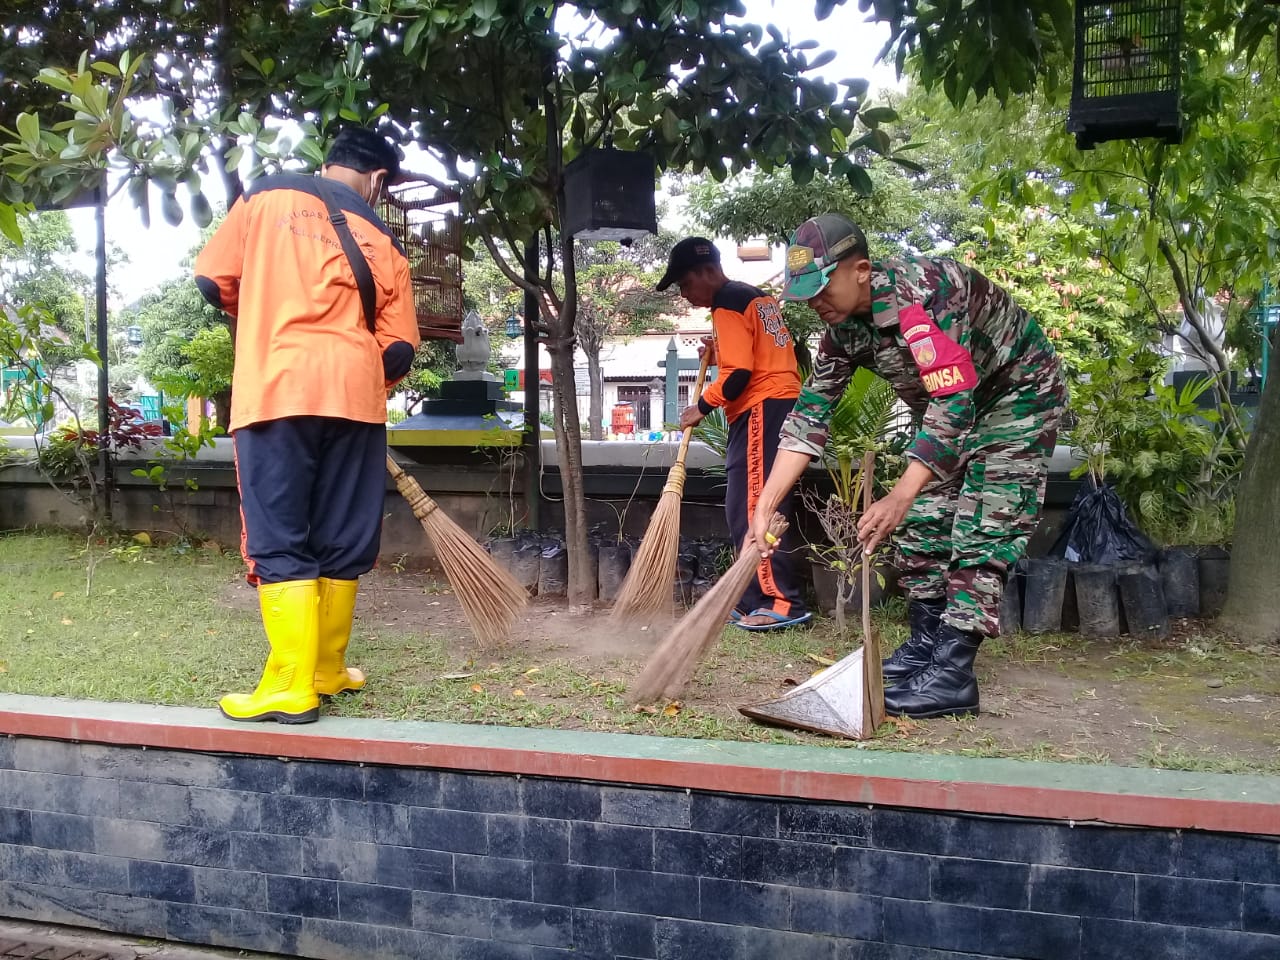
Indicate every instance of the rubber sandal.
{"type": "Point", "coordinates": [783, 621]}
{"type": "Point", "coordinates": [734, 616]}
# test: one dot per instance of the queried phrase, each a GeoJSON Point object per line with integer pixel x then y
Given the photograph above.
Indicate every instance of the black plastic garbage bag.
{"type": "Point", "coordinates": [1098, 531]}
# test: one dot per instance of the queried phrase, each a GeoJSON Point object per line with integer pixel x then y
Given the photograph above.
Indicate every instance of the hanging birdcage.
{"type": "Point", "coordinates": [432, 241]}
{"type": "Point", "coordinates": [1128, 71]}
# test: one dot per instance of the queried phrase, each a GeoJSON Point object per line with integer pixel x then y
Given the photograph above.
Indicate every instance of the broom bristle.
{"type": "Point", "coordinates": [646, 592]}
{"type": "Point", "coordinates": [674, 662]}
{"type": "Point", "coordinates": [489, 596]}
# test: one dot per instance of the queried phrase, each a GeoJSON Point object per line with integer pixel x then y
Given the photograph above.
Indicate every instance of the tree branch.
{"type": "Point", "coordinates": [1192, 316]}
{"type": "Point", "coordinates": [1189, 310]}
{"type": "Point", "coordinates": [551, 266]}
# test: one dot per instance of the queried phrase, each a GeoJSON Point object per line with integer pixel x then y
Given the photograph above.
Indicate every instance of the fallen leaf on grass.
{"type": "Point", "coordinates": [646, 708]}
{"type": "Point", "coordinates": [671, 709]}
{"type": "Point", "coordinates": [476, 688]}
{"type": "Point", "coordinates": [903, 725]}
{"type": "Point", "coordinates": [4, 667]}
{"type": "Point", "coordinates": [455, 676]}
{"type": "Point", "coordinates": [57, 595]}
{"type": "Point", "coordinates": [66, 622]}
{"type": "Point", "coordinates": [532, 670]}
{"type": "Point", "coordinates": [517, 693]}
{"type": "Point", "coordinates": [826, 662]}
{"type": "Point", "coordinates": [143, 538]}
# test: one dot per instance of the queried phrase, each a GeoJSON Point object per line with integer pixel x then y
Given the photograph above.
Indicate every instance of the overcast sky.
{"type": "Point", "coordinates": [156, 253]}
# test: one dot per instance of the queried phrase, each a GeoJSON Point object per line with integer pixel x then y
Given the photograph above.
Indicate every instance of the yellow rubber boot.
{"type": "Point", "coordinates": [286, 692]}
{"type": "Point", "coordinates": [337, 609]}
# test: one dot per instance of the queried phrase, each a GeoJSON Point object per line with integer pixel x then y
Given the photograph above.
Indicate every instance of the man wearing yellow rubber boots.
{"type": "Point", "coordinates": [308, 407]}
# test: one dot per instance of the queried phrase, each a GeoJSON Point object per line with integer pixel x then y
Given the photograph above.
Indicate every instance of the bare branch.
{"type": "Point", "coordinates": [526, 285]}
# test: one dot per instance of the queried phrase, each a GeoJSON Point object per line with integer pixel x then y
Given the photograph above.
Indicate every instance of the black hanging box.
{"type": "Point", "coordinates": [609, 195]}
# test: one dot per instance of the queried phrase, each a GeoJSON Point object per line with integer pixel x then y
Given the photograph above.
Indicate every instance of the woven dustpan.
{"type": "Point", "coordinates": [847, 699]}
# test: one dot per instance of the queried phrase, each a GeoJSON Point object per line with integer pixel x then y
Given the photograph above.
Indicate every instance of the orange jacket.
{"type": "Point", "coordinates": [302, 345]}
{"type": "Point", "coordinates": [757, 359]}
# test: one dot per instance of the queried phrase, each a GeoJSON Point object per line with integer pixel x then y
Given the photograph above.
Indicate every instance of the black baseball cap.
{"type": "Point", "coordinates": [688, 253]}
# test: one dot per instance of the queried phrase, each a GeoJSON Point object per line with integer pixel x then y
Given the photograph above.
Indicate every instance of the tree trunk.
{"type": "Point", "coordinates": [568, 430]}
{"type": "Point", "coordinates": [222, 409]}
{"type": "Point", "coordinates": [1255, 562]}
{"type": "Point", "coordinates": [595, 415]}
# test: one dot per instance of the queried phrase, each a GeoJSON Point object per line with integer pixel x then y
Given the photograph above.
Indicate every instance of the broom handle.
{"type": "Point", "coordinates": [420, 504]}
{"type": "Point", "coordinates": [868, 471]}
{"type": "Point", "coordinates": [697, 389]}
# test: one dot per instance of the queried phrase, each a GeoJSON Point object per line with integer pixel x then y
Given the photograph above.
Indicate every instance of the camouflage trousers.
{"type": "Point", "coordinates": [963, 533]}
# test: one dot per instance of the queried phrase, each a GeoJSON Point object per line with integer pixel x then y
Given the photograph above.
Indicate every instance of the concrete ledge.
{"type": "Point", "coordinates": [1072, 793]}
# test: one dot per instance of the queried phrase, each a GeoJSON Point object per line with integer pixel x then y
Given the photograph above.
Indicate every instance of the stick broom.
{"type": "Point", "coordinates": [646, 592]}
{"type": "Point", "coordinates": [490, 597]}
{"type": "Point", "coordinates": [677, 657]}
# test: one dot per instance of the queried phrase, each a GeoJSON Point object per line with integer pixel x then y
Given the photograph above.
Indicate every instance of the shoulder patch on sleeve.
{"type": "Point", "coordinates": [945, 366]}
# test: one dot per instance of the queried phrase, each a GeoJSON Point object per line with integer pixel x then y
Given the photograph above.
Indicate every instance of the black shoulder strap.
{"type": "Point", "coordinates": [359, 265]}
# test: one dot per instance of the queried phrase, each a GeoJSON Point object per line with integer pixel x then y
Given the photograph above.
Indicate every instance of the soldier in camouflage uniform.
{"type": "Point", "coordinates": [990, 392]}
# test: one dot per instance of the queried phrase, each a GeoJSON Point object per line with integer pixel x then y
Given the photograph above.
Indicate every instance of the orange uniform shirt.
{"type": "Point", "coordinates": [302, 345]}
{"type": "Point", "coordinates": [752, 337]}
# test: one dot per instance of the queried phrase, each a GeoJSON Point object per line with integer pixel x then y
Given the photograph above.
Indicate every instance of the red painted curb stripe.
{"type": "Point", "coordinates": [1045, 803]}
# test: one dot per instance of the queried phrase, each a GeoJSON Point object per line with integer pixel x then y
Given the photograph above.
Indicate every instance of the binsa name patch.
{"type": "Point", "coordinates": [945, 366]}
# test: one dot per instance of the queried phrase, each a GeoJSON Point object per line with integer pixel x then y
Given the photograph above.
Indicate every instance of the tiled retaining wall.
{"type": "Point", "coordinates": [343, 860]}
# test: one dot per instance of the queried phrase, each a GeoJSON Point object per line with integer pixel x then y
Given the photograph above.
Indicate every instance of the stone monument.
{"type": "Point", "coordinates": [474, 351]}
{"type": "Point", "coordinates": [471, 409]}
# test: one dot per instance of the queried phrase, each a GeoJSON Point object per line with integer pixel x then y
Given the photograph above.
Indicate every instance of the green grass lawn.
{"type": "Point", "coordinates": [120, 620]}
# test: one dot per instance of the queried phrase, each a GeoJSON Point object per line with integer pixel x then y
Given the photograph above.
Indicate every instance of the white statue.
{"type": "Point", "coordinates": [473, 352]}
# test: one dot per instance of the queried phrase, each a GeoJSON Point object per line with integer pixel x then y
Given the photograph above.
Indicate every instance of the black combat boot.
{"type": "Point", "coordinates": [946, 687]}
{"type": "Point", "coordinates": [916, 651]}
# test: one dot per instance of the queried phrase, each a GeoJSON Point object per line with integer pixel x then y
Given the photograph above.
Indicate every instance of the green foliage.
{"type": "Point", "coordinates": [434, 363]}
{"type": "Point", "coordinates": [186, 345]}
{"type": "Point", "coordinates": [1162, 451]}
{"type": "Point", "coordinates": [905, 211]}
{"type": "Point", "coordinates": [67, 457]}
{"type": "Point", "coordinates": [1080, 302]}
{"type": "Point", "coordinates": [863, 421]}
{"type": "Point", "coordinates": [713, 430]}
{"type": "Point", "coordinates": [179, 448]}
{"type": "Point", "coordinates": [31, 347]}
{"type": "Point", "coordinates": [1006, 51]}
{"type": "Point", "coordinates": [33, 271]}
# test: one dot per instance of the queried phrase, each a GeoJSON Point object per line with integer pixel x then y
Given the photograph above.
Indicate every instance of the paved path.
{"type": "Point", "coordinates": [75, 943]}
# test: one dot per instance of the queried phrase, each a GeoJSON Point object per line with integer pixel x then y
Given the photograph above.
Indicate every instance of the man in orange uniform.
{"type": "Point", "coordinates": [757, 385]}
{"type": "Point", "coordinates": [309, 408]}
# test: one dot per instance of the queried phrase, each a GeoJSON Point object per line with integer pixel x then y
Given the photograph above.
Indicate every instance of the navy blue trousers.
{"type": "Point", "coordinates": [312, 492]}
{"type": "Point", "coordinates": [753, 444]}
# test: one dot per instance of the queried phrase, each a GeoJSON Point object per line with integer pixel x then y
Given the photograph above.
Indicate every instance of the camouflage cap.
{"type": "Point", "coordinates": [816, 247]}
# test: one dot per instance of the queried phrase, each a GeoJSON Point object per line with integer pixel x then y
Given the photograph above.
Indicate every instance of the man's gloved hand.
{"type": "Point", "coordinates": [396, 361]}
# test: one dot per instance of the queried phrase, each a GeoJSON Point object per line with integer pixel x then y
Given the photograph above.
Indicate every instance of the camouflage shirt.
{"type": "Point", "coordinates": [970, 348]}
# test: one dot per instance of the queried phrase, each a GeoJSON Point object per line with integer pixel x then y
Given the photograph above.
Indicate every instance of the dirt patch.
{"type": "Point", "coordinates": [1197, 701]}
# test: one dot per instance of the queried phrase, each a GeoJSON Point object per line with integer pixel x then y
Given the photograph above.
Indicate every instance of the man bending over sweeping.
{"type": "Point", "coordinates": [960, 352]}
{"type": "Point", "coordinates": [757, 385]}
{"type": "Point", "coordinates": [309, 407]}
